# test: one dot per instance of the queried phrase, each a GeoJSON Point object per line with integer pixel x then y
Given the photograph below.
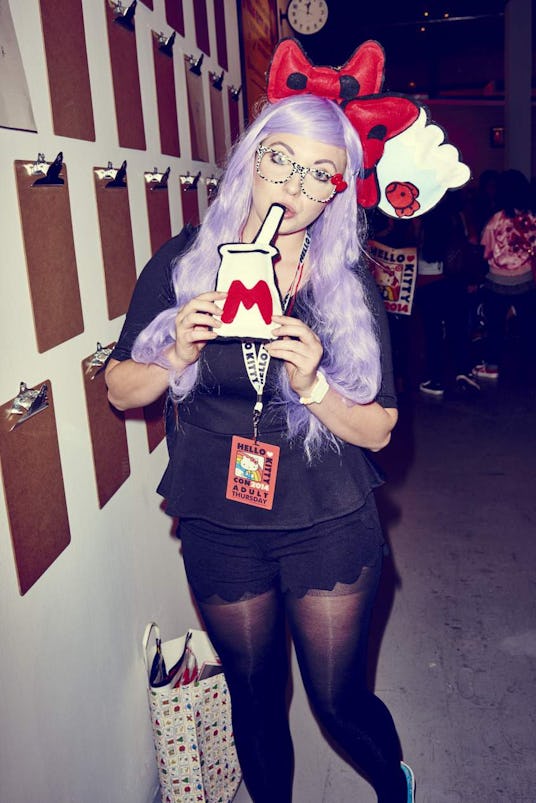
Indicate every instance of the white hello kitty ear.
{"type": "Point", "coordinates": [431, 166]}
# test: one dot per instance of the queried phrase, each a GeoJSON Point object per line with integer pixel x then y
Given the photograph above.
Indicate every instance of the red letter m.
{"type": "Point", "coordinates": [239, 294]}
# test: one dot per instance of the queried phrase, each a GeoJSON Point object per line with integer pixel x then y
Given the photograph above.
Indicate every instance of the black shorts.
{"type": "Point", "coordinates": [237, 564]}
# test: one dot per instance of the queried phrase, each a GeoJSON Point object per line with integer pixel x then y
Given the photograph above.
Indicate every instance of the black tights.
{"type": "Point", "coordinates": [329, 629]}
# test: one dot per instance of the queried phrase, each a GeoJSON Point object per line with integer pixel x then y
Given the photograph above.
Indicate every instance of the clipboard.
{"type": "Point", "coordinates": [165, 94]}
{"type": "Point", "coordinates": [218, 122]}
{"type": "Point", "coordinates": [154, 421]}
{"type": "Point", "coordinates": [107, 428]}
{"type": "Point", "coordinates": [175, 15]}
{"type": "Point", "coordinates": [221, 33]}
{"type": "Point", "coordinates": [157, 197]}
{"type": "Point", "coordinates": [68, 72]}
{"type": "Point", "coordinates": [33, 482]}
{"type": "Point", "coordinates": [116, 237]}
{"type": "Point", "coordinates": [201, 26]}
{"type": "Point", "coordinates": [196, 108]}
{"type": "Point", "coordinates": [47, 232]}
{"type": "Point", "coordinates": [125, 78]}
{"type": "Point", "coordinates": [189, 199]}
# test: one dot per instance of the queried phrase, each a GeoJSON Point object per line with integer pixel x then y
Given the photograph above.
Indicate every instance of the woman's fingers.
{"type": "Point", "coordinates": [201, 311]}
{"type": "Point", "coordinates": [292, 327]}
{"type": "Point", "coordinates": [195, 324]}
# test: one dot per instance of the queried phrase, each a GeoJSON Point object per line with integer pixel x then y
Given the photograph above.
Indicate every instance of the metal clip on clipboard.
{"type": "Point", "coordinates": [165, 43]}
{"type": "Point", "coordinates": [50, 173]}
{"type": "Point", "coordinates": [157, 180]}
{"type": "Point", "coordinates": [124, 15]}
{"type": "Point", "coordinates": [97, 362]}
{"type": "Point", "coordinates": [195, 64]}
{"type": "Point", "coordinates": [217, 80]}
{"type": "Point", "coordinates": [189, 182]}
{"type": "Point", "coordinates": [27, 403]}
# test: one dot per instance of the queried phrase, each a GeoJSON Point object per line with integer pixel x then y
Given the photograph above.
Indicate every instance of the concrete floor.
{"type": "Point", "coordinates": [453, 648]}
{"type": "Point", "coordinates": [458, 658]}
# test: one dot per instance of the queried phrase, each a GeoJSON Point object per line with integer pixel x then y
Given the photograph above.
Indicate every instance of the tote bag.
{"type": "Point", "coordinates": [192, 727]}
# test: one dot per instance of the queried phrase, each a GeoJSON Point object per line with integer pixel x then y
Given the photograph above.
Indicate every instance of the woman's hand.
{"type": "Point", "coordinates": [194, 327]}
{"type": "Point", "coordinates": [301, 350]}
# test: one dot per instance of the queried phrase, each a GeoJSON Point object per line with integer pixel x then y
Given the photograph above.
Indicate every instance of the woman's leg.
{"type": "Point", "coordinates": [330, 630]}
{"type": "Point", "coordinates": [430, 302]}
{"type": "Point", "coordinates": [250, 638]}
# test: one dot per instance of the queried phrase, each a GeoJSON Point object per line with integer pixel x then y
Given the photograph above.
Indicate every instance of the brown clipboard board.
{"type": "Point", "coordinates": [234, 116]}
{"type": "Point", "coordinates": [175, 15]}
{"type": "Point", "coordinates": [218, 120]}
{"type": "Point", "coordinates": [166, 98]}
{"type": "Point", "coordinates": [126, 81]}
{"type": "Point", "coordinates": [34, 490]}
{"type": "Point", "coordinates": [108, 433]}
{"type": "Point", "coordinates": [221, 33]}
{"type": "Point", "coordinates": [157, 197]}
{"type": "Point", "coordinates": [201, 26]}
{"type": "Point", "coordinates": [50, 256]}
{"type": "Point", "coordinates": [190, 200]}
{"type": "Point", "coordinates": [67, 66]}
{"type": "Point", "coordinates": [154, 421]}
{"type": "Point", "coordinates": [196, 112]}
{"type": "Point", "coordinates": [116, 238]}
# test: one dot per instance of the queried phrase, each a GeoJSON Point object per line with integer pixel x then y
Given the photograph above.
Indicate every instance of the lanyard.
{"type": "Point", "coordinates": [257, 362]}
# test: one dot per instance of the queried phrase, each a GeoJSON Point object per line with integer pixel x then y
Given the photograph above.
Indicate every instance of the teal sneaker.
{"type": "Point", "coordinates": [410, 780]}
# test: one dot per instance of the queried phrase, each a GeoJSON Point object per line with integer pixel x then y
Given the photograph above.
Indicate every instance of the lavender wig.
{"type": "Point", "coordinates": [332, 302]}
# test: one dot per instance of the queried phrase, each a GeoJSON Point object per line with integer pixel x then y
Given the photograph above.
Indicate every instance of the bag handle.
{"type": "Point", "coordinates": [145, 641]}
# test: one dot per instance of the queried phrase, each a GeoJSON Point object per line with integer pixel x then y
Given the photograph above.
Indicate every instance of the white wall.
{"type": "Point", "coordinates": [74, 722]}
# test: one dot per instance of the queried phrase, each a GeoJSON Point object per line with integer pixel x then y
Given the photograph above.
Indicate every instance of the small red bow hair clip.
{"type": "Point", "coordinates": [379, 119]}
{"type": "Point", "coordinates": [338, 181]}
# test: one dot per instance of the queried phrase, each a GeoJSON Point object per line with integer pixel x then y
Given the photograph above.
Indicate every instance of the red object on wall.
{"type": "Point", "coordinates": [201, 26]}
{"type": "Point", "coordinates": [175, 15]}
{"type": "Point", "coordinates": [221, 33]}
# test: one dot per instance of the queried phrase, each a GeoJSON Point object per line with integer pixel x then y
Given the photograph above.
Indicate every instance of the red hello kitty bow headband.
{"type": "Point", "coordinates": [407, 163]}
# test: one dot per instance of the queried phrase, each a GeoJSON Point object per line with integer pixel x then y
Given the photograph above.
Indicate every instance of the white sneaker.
{"type": "Point", "coordinates": [485, 371]}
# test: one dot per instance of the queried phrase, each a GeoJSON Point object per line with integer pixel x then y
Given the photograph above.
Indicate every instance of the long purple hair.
{"type": "Point", "coordinates": [332, 302]}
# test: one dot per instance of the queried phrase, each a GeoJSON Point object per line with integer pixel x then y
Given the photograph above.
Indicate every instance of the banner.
{"type": "Point", "coordinates": [395, 273]}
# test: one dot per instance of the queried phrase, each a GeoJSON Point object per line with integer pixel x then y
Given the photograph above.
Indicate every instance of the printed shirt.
{"type": "Point", "coordinates": [507, 242]}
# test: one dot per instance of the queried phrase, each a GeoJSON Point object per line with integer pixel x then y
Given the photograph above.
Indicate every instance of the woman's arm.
{"type": "Point", "coordinates": [366, 425]}
{"type": "Point", "coordinates": [133, 384]}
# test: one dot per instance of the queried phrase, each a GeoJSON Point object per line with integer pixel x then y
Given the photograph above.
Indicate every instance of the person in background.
{"type": "Point", "coordinates": [441, 298]}
{"type": "Point", "coordinates": [397, 233]}
{"type": "Point", "coordinates": [484, 203]}
{"type": "Point", "coordinates": [509, 240]}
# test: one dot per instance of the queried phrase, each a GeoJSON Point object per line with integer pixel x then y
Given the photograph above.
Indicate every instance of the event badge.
{"type": "Point", "coordinates": [252, 472]}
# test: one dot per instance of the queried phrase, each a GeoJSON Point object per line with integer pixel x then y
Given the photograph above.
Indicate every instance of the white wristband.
{"type": "Point", "coordinates": [318, 392]}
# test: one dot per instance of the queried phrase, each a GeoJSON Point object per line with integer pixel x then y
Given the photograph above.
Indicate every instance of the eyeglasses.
{"type": "Point", "coordinates": [316, 184]}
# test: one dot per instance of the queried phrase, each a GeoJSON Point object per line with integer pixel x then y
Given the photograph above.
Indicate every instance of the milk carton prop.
{"type": "Point", "coordinates": [246, 274]}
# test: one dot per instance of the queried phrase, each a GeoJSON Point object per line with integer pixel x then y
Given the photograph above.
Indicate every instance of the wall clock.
{"type": "Point", "coordinates": [307, 16]}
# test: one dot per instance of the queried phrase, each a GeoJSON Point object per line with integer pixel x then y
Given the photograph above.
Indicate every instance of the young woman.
{"type": "Point", "coordinates": [314, 559]}
{"type": "Point", "coordinates": [509, 240]}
